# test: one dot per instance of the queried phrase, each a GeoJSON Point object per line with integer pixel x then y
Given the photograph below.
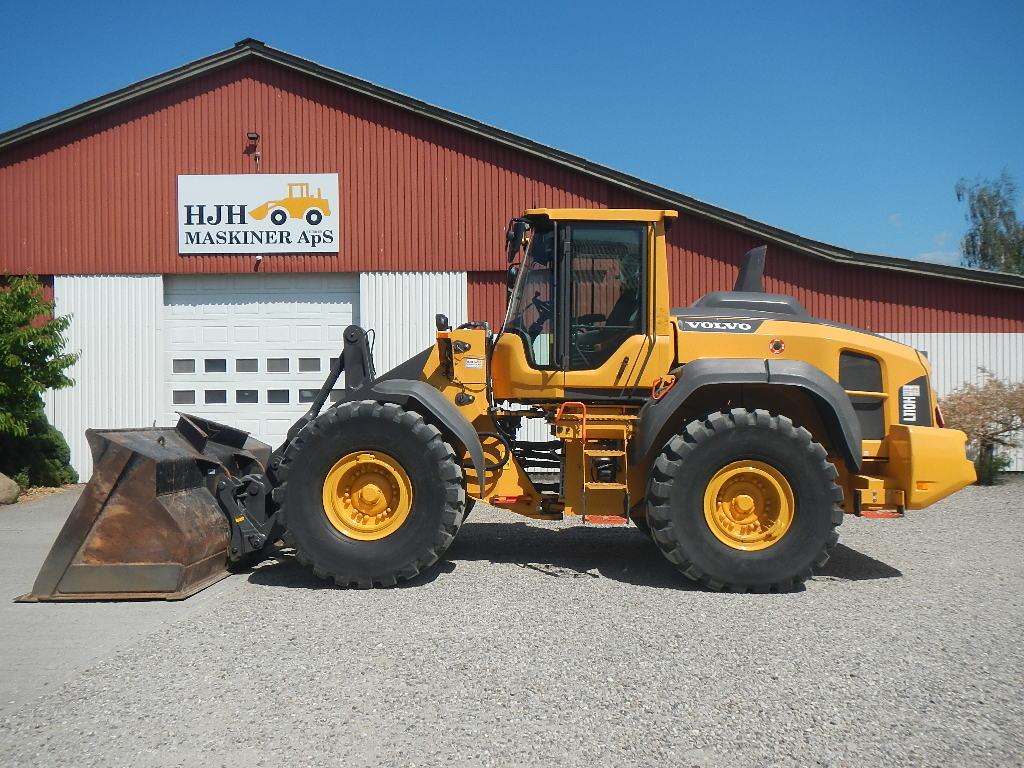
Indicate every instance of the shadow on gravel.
{"type": "Point", "coordinates": [567, 553]}
{"type": "Point", "coordinates": [578, 552]}
{"type": "Point", "coordinates": [850, 565]}
{"type": "Point", "coordinates": [283, 570]}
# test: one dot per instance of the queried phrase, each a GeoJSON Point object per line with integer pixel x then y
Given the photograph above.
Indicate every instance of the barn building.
{"type": "Point", "coordinates": [141, 211]}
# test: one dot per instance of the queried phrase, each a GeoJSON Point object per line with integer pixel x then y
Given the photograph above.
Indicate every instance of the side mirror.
{"type": "Point", "coordinates": [510, 278]}
{"type": "Point", "coordinates": [514, 237]}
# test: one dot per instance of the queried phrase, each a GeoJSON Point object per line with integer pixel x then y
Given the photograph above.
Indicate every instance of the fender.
{"type": "Point", "coordinates": [399, 386]}
{"type": "Point", "coordinates": [660, 419]}
{"type": "Point", "coordinates": [834, 405]}
{"type": "Point", "coordinates": [432, 402]}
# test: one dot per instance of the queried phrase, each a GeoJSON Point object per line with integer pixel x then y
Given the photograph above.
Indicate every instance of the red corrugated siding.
{"type": "Point", "coordinates": [99, 197]}
{"type": "Point", "coordinates": [47, 281]}
{"type": "Point", "coordinates": [486, 297]}
{"type": "Point", "coordinates": [416, 195]}
{"type": "Point", "coordinates": [704, 256]}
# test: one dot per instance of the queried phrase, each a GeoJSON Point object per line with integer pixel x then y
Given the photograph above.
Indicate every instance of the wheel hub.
{"type": "Point", "coordinates": [748, 505]}
{"type": "Point", "coordinates": [367, 495]}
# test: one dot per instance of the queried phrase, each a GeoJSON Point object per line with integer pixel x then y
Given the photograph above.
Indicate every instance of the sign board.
{"type": "Point", "coordinates": [258, 213]}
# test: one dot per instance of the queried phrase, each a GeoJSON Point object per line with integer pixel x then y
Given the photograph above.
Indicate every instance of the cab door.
{"type": "Point", "coordinates": [525, 362]}
{"type": "Point", "coordinates": [605, 340]}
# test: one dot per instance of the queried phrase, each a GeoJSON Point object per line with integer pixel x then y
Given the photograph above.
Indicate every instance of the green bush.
{"type": "Point", "coordinates": [988, 465]}
{"type": "Point", "coordinates": [32, 360]}
{"type": "Point", "coordinates": [41, 457]}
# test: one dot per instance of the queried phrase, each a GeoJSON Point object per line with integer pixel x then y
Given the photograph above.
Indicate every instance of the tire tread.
{"type": "Point", "coordinates": [669, 467]}
{"type": "Point", "coordinates": [435, 449]}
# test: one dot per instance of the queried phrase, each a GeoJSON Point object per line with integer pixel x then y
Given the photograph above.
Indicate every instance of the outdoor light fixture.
{"type": "Point", "coordinates": [252, 148]}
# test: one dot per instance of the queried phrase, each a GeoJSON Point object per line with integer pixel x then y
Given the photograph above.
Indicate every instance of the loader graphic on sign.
{"type": "Point", "coordinates": [299, 204]}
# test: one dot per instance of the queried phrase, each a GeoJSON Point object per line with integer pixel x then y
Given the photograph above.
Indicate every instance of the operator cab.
{"type": "Point", "coordinates": [579, 312]}
{"type": "Point", "coordinates": [605, 268]}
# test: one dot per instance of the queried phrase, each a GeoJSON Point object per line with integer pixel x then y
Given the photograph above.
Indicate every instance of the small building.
{"type": "Point", "coordinates": [213, 229]}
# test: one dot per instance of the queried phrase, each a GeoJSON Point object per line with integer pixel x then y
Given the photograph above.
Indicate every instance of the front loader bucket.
{"type": "Point", "coordinates": [259, 213]}
{"type": "Point", "coordinates": [147, 525]}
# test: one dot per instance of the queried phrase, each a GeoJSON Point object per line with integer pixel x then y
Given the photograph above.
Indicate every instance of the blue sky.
{"type": "Point", "coordinates": [849, 123]}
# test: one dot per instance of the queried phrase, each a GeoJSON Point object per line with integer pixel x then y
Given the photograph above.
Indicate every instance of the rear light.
{"type": "Point", "coordinates": [939, 421]}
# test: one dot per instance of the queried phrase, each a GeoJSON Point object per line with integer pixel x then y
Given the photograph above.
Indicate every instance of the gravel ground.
{"type": "Point", "coordinates": [554, 644]}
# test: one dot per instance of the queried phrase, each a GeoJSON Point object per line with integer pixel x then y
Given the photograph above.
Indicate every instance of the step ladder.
{"type": "Point", "coordinates": [618, 491]}
{"type": "Point", "coordinates": [610, 494]}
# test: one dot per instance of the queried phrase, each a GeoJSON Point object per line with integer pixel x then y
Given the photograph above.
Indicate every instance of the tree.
{"type": "Point", "coordinates": [32, 357]}
{"type": "Point", "coordinates": [32, 360]}
{"type": "Point", "coordinates": [995, 239]}
{"type": "Point", "coordinates": [992, 415]}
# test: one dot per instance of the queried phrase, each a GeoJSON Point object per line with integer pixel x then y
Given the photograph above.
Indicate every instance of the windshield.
{"type": "Point", "coordinates": [531, 308]}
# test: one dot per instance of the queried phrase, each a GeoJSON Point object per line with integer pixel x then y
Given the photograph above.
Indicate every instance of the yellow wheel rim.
{"type": "Point", "coordinates": [367, 495]}
{"type": "Point", "coordinates": [748, 505]}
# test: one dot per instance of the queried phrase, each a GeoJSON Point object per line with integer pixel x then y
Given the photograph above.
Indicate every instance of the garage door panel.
{"type": "Point", "coordinates": [253, 350]}
{"type": "Point", "coordinates": [278, 334]}
{"type": "Point", "coordinates": [179, 310]}
{"type": "Point", "coordinates": [215, 334]}
{"type": "Point", "coordinates": [309, 334]}
{"type": "Point", "coordinates": [183, 335]}
{"type": "Point", "coordinates": [246, 334]}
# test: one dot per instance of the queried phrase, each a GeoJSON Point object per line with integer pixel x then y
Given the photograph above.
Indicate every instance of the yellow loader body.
{"type": "Point", "coordinates": [736, 433]}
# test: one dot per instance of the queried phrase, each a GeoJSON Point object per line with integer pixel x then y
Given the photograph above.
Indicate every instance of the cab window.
{"type": "Point", "coordinates": [531, 309]}
{"type": "Point", "coordinates": [606, 273]}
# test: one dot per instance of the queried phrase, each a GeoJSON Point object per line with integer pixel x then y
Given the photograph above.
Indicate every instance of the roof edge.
{"type": "Point", "coordinates": [250, 47]}
{"type": "Point", "coordinates": [127, 94]}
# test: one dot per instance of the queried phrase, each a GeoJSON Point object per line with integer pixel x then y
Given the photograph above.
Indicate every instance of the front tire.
{"type": "Point", "coordinates": [383, 456]}
{"type": "Point", "coordinates": [745, 501]}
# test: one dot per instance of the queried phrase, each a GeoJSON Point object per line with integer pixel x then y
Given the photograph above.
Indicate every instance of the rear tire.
{"type": "Point", "coordinates": [685, 472]}
{"type": "Point", "coordinates": [438, 501]}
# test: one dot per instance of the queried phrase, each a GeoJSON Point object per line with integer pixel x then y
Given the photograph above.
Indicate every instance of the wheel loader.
{"type": "Point", "coordinates": [736, 433]}
{"type": "Point", "coordinates": [300, 204]}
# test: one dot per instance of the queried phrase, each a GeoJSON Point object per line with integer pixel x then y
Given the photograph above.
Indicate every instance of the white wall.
{"type": "Point", "coordinates": [116, 326]}
{"type": "Point", "coordinates": [955, 358]}
{"type": "Point", "coordinates": [400, 307]}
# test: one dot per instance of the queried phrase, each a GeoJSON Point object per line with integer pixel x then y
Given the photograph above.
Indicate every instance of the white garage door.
{"type": "Point", "coordinates": [252, 350]}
